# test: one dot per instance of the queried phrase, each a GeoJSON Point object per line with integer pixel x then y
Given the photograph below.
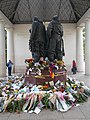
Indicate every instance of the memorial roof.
{"type": "Point", "coordinates": [22, 11]}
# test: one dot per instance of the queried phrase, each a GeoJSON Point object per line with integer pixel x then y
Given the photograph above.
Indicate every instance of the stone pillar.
{"type": "Point", "coordinates": [79, 49]}
{"type": "Point", "coordinates": [10, 45]}
{"type": "Point", "coordinates": [2, 50]}
{"type": "Point", "coordinates": [87, 47]}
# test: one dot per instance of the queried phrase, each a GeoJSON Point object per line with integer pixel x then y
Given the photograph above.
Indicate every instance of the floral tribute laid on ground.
{"type": "Point", "coordinates": [16, 95]}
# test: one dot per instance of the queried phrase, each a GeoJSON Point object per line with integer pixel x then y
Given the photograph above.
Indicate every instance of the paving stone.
{"type": "Point", "coordinates": [14, 116]}
{"type": "Point", "coordinates": [74, 113]}
{"type": "Point", "coordinates": [3, 118]}
{"type": "Point", "coordinates": [88, 102]}
{"type": "Point", "coordinates": [72, 119]}
{"type": "Point", "coordinates": [46, 115]}
{"type": "Point", "coordinates": [5, 114]}
{"type": "Point", "coordinates": [24, 116]}
{"type": "Point", "coordinates": [86, 112]}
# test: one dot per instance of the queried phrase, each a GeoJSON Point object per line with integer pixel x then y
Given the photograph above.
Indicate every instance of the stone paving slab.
{"type": "Point", "coordinates": [6, 114]}
{"type": "Point", "coordinates": [86, 112]}
{"type": "Point", "coordinates": [46, 115]}
{"type": "Point", "coordinates": [14, 116]}
{"type": "Point", "coordinates": [3, 118]}
{"type": "Point", "coordinates": [74, 113]}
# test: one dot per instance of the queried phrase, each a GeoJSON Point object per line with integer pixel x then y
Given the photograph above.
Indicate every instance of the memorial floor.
{"type": "Point", "coordinates": [81, 112]}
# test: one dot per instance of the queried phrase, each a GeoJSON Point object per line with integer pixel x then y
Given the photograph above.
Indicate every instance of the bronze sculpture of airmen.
{"type": "Point", "coordinates": [53, 45]}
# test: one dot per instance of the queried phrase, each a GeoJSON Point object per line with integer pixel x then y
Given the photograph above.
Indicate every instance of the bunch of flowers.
{"type": "Point", "coordinates": [21, 97]}
{"type": "Point", "coordinates": [41, 66]}
{"type": "Point", "coordinates": [29, 62]}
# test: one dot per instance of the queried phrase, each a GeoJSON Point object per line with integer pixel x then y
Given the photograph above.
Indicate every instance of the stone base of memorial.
{"type": "Point", "coordinates": [45, 77]}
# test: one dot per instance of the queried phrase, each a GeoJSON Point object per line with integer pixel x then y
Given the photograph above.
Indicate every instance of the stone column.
{"type": "Point", "coordinates": [87, 47]}
{"type": "Point", "coordinates": [10, 45]}
{"type": "Point", "coordinates": [2, 50]}
{"type": "Point", "coordinates": [79, 49]}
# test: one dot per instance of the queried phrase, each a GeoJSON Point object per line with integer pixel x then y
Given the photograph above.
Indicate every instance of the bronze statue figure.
{"type": "Point", "coordinates": [55, 42]}
{"type": "Point", "coordinates": [37, 39]}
